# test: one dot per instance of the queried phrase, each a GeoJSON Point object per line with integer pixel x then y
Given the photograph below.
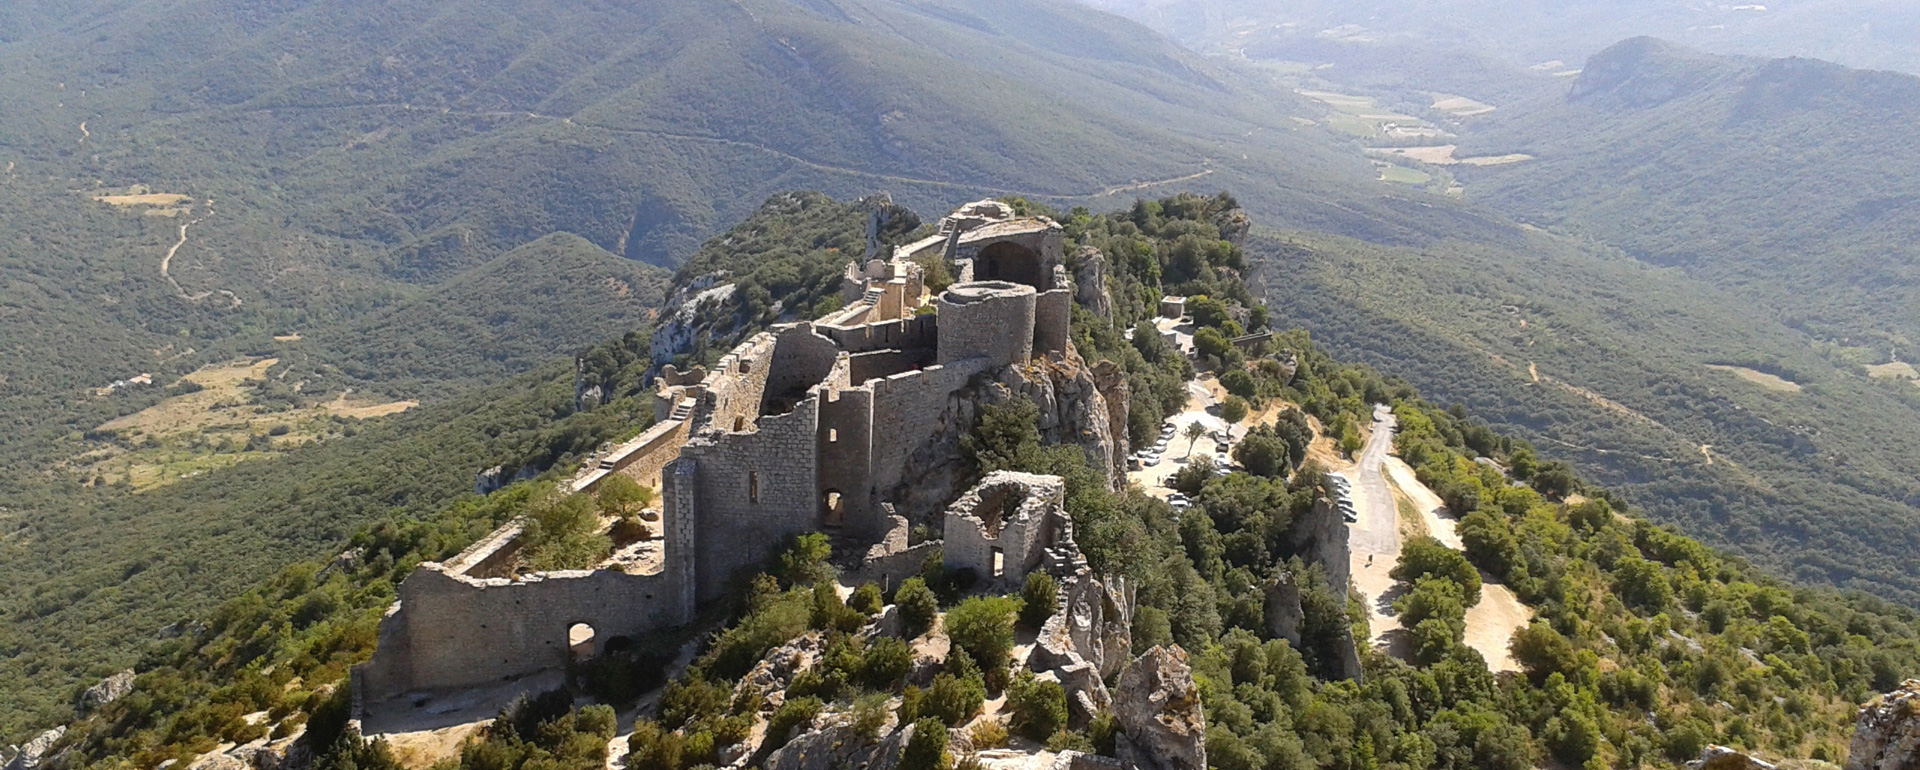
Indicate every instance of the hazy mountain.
{"type": "Point", "coordinates": [1861, 33]}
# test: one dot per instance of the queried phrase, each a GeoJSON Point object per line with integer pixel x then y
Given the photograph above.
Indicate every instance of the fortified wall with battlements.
{"type": "Point", "coordinates": [807, 427]}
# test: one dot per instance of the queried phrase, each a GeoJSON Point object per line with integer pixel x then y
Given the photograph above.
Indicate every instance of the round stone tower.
{"type": "Point", "coordinates": [993, 319]}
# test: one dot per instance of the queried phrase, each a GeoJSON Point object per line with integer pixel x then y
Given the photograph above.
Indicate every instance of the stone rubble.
{"type": "Point", "coordinates": [31, 756]}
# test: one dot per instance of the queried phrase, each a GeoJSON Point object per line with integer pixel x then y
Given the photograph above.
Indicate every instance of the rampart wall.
{"type": "Point", "coordinates": [641, 459]}
{"type": "Point", "coordinates": [913, 333]}
{"type": "Point", "coordinates": [451, 631]}
{"type": "Point", "coordinates": [752, 491]}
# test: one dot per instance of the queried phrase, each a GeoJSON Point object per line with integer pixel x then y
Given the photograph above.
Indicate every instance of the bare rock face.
{"type": "Point", "coordinates": [1158, 705]}
{"type": "Point", "coordinates": [1887, 735]}
{"type": "Point", "coordinates": [1321, 535]}
{"type": "Point", "coordinates": [1234, 224]}
{"type": "Point", "coordinates": [775, 671]}
{"type": "Point", "coordinates": [34, 753]}
{"type": "Point", "coordinates": [833, 744]}
{"type": "Point", "coordinates": [1284, 613]}
{"type": "Point", "coordinates": [107, 691]}
{"type": "Point", "coordinates": [1073, 411]}
{"type": "Point", "coordinates": [693, 306]}
{"type": "Point", "coordinates": [1094, 625]}
{"type": "Point", "coordinates": [1090, 282]}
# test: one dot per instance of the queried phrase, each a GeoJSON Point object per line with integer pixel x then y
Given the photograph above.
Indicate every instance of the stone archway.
{"type": "Point", "coordinates": [580, 641]}
{"type": "Point", "coordinates": [1011, 262]}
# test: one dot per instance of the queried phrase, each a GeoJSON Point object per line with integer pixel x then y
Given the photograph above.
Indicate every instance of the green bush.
{"type": "Point", "coordinates": [867, 599]}
{"type": "Point", "coordinates": [794, 713]}
{"type": "Point", "coordinates": [1038, 599]}
{"type": "Point", "coordinates": [1038, 707]}
{"type": "Point", "coordinates": [927, 748]}
{"type": "Point", "coordinates": [918, 606]}
{"type": "Point", "coordinates": [982, 626]}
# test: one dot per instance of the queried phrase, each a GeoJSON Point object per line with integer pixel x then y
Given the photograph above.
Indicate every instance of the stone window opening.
{"type": "Point", "coordinates": [580, 641]}
{"type": "Point", "coordinates": [753, 486]}
{"type": "Point", "coordinates": [999, 562]}
{"type": "Point", "coordinates": [833, 435]}
{"type": "Point", "coordinates": [739, 424]}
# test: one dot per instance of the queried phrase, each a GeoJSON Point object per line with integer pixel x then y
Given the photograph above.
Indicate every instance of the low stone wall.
{"type": "Point", "coordinates": [641, 459]}
{"type": "Point", "coordinates": [450, 631]}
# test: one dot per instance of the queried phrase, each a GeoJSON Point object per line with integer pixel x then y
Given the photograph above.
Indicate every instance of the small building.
{"type": "Point", "coordinates": [1173, 307]}
{"type": "Point", "coordinates": [1008, 525]}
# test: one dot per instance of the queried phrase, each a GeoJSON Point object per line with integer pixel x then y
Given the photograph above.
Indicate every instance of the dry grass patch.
{"type": "Point", "coordinates": [1771, 382]}
{"type": "Point", "coordinates": [1898, 370]}
{"type": "Point", "coordinates": [367, 410]}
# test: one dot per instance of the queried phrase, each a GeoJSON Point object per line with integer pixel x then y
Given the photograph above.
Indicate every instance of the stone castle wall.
{"type": "Point", "coordinates": [1017, 516]}
{"type": "Point", "coordinates": [986, 319]}
{"type": "Point", "coordinates": [451, 631]}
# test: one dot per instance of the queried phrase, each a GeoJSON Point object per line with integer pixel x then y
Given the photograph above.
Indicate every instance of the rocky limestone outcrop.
{"type": "Point", "coordinates": [1321, 536]}
{"type": "Point", "coordinates": [1234, 225]}
{"type": "Point", "coordinates": [1073, 411]}
{"type": "Point", "coordinates": [775, 671]}
{"type": "Point", "coordinates": [677, 332]}
{"type": "Point", "coordinates": [832, 743]}
{"type": "Point", "coordinates": [1724, 758]}
{"type": "Point", "coordinates": [1284, 613]}
{"type": "Point", "coordinates": [1157, 704]}
{"type": "Point", "coordinates": [32, 755]}
{"type": "Point", "coordinates": [1086, 640]}
{"type": "Point", "coordinates": [1090, 282]}
{"type": "Point", "coordinates": [106, 691]}
{"type": "Point", "coordinates": [1886, 736]}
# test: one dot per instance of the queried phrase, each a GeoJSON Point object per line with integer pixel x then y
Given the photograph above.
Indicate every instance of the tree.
{"type": "Point", "coordinates": [1234, 409]}
{"type": "Point", "coordinates": [1039, 706]}
{"type": "Point", "coordinates": [1490, 543]}
{"type": "Point", "coordinates": [620, 496]}
{"type": "Point", "coordinates": [1193, 433]}
{"type": "Point", "coordinates": [1542, 651]}
{"type": "Point", "coordinates": [1427, 557]}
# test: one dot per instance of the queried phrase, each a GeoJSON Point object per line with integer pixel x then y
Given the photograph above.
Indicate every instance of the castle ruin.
{"type": "Point", "coordinates": [827, 426]}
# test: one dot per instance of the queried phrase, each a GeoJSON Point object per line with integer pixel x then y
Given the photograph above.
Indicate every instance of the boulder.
{"type": "Point", "coordinates": [106, 691]}
{"type": "Point", "coordinates": [1321, 536]}
{"type": "Point", "coordinates": [1157, 704]}
{"type": "Point", "coordinates": [1886, 735]}
{"type": "Point", "coordinates": [1234, 224]}
{"type": "Point", "coordinates": [775, 671]}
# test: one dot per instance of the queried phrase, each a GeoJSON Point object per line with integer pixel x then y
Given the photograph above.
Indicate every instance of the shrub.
{"type": "Point", "coordinates": [888, 661]}
{"type": "Point", "coordinates": [1039, 707]}
{"type": "Point", "coordinates": [796, 712]}
{"type": "Point", "coordinates": [869, 715]}
{"type": "Point", "coordinates": [805, 562]}
{"type": "Point", "coordinates": [988, 734]}
{"type": "Point", "coordinates": [927, 748]}
{"type": "Point", "coordinates": [867, 599]}
{"type": "Point", "coordinates": [1038, 599]}
{"type": "Point", "coordinates": [983, 627]}
{"type": "Point", "coordinates": [918, 605]}
{"type": "Point", "coordinates": [956, 694]}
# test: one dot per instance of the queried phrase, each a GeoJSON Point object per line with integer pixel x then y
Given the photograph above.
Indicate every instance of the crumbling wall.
{"type": "Point", "coordinates": [1887, 733]}
{"type": "Point", "coordinates": [753, 491]}
{"type": "Point", "coordinates": [801, 359]}
{"type": "Point", "coordinates": [915, 333]}
{"type": "Point", "coordinates": [641, 459]}
{"type": "Point", "coordinates": [731, 395]}
{"type": "Point", "coordinates": [1001, 529]}
{"type": "Point", "coordinates": [1052, 322]}
{"type": "Point", "coordinates": [450, 631]}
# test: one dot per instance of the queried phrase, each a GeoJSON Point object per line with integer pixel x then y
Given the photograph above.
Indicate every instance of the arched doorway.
{"type": "Point", "coordinates": [1008, 261]}
{"type": "Point", "coordinates": [580, 641]}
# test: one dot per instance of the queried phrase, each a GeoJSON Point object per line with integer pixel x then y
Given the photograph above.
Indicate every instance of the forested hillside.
{"type": "Point", "coordinates": [1776, 180]}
